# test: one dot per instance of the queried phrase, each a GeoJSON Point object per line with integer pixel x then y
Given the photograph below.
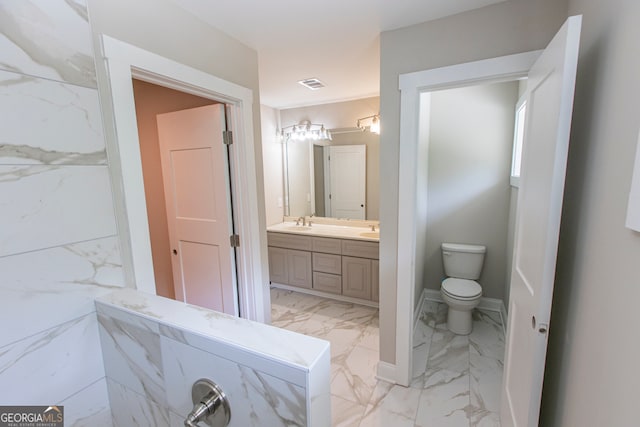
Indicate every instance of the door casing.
{"type": "Point", "coordinates": [122, 63]}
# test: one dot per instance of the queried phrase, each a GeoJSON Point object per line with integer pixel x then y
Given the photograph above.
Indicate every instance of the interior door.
{"type": "Point", "coordinates": [546, 140]}
{"type": "Point", "coordinates": [197, 192]}
{"type": "Point", "coordinates": [347, 170]}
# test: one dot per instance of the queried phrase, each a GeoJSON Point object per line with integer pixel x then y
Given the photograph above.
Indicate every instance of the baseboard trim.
{"type": "Point", "coordinates": [325, 295]}
{"type": "Point", "coordinates": [386, 372]}
{"type": "Point", "coordinates": [432, 295]}
{"type": "Point", "coordinates": [416, 314]}
{"type": "Point", "coordinates": [503, 315]}
{"type": "Point", "coordinates": [491, 304]}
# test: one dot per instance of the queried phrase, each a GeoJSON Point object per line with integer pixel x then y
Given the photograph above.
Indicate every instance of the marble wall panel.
{"type": "Point", "coordinates": [51, 365]}
{"type": "Point", "coordinates": [50, 39]}
{"type": "Point", "coordinates": [256, 399]}
{"type": "Point", "coordinates": [48, 122]}
{"type": "Point", "coordinates": [88, 407]}
{"type": "Point", "coordinates": [131, 409]}
{"type": "Point", "coordinates": [47, 206]}
{"type": "Point", "coordinates": [53, 286]}
{"type": "Point", "coordinates": [132, 356]}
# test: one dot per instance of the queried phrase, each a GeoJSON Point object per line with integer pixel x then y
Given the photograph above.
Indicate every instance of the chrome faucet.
{"type": "Point", "coordinates": [303, 219]}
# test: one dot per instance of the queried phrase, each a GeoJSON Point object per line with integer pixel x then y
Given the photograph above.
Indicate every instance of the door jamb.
{"type": "Point", "coordinates": [411, 86]}
{"type": "Point", "coordinates": [122, 63]}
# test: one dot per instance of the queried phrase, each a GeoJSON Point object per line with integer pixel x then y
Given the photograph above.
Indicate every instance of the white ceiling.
{"type": "Point", "coordinates": [336, 41]}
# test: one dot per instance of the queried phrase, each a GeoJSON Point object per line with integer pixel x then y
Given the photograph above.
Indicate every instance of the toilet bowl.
{"type": "Point", "coordinates": [462, 296]}
{"type": "Point", "coordinates": [460, 291]}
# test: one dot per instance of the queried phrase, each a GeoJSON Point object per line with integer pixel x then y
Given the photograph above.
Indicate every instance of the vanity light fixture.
{"type": "Point", "coordinates": [304, 131]}
{"type": "Point", "coordinates": [373, 122]}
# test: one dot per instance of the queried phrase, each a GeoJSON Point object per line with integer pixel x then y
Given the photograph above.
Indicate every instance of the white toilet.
{"type": "Point", "coordinates": [461, 292]}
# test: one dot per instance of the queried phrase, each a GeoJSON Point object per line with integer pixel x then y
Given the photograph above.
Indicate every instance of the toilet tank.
{"type": "Point", "coordinates": [463, 261]}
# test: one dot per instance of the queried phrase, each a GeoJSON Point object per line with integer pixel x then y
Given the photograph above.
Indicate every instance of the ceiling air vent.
{"type": "Point", "coordinates": [313, 84]}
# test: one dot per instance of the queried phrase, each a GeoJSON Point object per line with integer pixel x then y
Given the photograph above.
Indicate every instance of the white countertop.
{"type": "Point", "coordinates": [327, 230]}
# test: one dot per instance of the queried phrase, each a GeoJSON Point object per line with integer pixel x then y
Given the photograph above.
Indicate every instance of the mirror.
{"type": "Point", "coordinates": [337, 178]}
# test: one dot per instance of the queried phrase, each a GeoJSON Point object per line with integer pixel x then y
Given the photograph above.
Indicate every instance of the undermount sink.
{"type": "Point", "coordinates": [371, 234]}
{"type": "Point", "coordinates": [296, 228]}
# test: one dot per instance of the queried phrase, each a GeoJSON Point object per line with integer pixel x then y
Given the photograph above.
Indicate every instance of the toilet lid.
{"type": "Point", "coordinates": [461, 288]}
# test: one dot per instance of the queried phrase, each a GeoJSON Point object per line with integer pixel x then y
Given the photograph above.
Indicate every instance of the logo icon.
{"type": "Point", "coordinates": [32, 416]}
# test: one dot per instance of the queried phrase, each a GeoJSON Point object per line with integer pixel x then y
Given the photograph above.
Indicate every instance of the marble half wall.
{"type": "Point", "coordinates": [155, 348]}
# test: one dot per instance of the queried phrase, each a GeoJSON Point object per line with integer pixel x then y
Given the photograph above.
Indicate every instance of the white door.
{"type": "Point", "coordinates": [549, 106]}
{"type": "Point", "coordinates": [196, 186]}
{"type": "Point", "coordinates": [348, 171]}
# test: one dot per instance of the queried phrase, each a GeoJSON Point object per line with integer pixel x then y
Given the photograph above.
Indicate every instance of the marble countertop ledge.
{"type": "Point", "coordinates": [328, 230]}
{"type": "Point", "coordinates": [263, 340]}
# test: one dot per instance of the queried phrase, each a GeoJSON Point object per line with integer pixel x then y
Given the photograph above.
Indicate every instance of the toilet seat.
{"type": "Point", "coordinates": [461, 289]}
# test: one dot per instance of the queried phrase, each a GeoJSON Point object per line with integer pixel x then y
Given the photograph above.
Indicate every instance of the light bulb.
{"type": "Point", "coordinates": [375, 125]}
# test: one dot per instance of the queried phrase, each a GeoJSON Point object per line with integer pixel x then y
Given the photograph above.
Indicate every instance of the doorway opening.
{"type": "Point", "coordinates": [177, 128]}
{"type": "Point", "coordinates": [550, 91]}
{"type": "Point", "coordinates": [125, 62]}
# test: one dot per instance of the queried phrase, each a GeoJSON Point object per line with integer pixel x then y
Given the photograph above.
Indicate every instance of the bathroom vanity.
{"type": "Point", "coordinates": [329, 260]}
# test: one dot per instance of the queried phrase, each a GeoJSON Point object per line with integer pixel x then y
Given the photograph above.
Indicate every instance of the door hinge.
{"type": "Point", "coordinates": [227, 137]}
{"type": "Point", "coordinates": [235, 240]}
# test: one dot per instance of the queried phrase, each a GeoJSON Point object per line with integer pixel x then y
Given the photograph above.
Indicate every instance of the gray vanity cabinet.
{"type": "Point", "coordinates": [375, 280]}
{"type": "Point", "coordinates": [358, 258]}
{"type": "Point", "coordinates": [337, 266]}
{"type": "Point", "coordinates": [290, 259]}
{"type": "Point", "coordinates": [278, 269]}
{"type": "Point", "coordinates": [299, 266]}
{"type": "Point", "coordinates": [356, 277]}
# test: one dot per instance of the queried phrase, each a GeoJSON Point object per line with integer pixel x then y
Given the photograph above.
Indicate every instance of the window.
{"type": "Point", "coordinates": [518, 135]}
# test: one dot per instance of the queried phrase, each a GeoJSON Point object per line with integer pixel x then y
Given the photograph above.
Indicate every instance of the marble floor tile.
{"type": "Point", "coordinates": [421, 345]}
{"type": "Point", "coordinates": [345, 413]}
{"type": "Point", "coordinates": [448, 351]}
{"type": "Point", "coordinates": [456, 379]}
{"type": "Point", "coordinates": [485, 419]}
{"type": "Point", "coordinates": [445, 400]}
{"type": "Point", "coordinates": [355, 379]}
{"type": "Point", "coordinates": [486, 383]}
{"type": "Point", "coordinates": [391, 405]}
{"type": "Point", "coordinates": [487, 337]}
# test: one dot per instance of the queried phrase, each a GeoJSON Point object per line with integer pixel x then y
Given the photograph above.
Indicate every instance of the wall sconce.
{"type": "Point", "coordinates": [304, 131]}
{"type": "Point", "coordinates": [373, 122]}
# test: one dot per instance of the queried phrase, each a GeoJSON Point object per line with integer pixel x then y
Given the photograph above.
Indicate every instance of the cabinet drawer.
{"type": "Point", "coordinates": [327, 282]}
{"type": "Point", "coordinates": [327, 263]}
{"type": "Point", "coordinates": [326, 245]}
{"type": "Point", "coordinates": [360, 249]}
{"type": "Point", "coordinates": [289, 241]}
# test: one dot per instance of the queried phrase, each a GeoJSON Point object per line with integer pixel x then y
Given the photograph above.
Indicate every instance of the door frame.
{"type": "Point", "coordinates": [122, 63]}
{"type": "Point", "coordinates": [412, 86]}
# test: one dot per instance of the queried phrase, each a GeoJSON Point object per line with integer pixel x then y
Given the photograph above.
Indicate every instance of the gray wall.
{"type": "Point", "coordinates": [505, 28]}
{"type": "Point", "coordinates": [592, 376]}
{"type": "Point", "coordinates": [272, 152]}
{"type": "Point", "coordinates": [469, 167]}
